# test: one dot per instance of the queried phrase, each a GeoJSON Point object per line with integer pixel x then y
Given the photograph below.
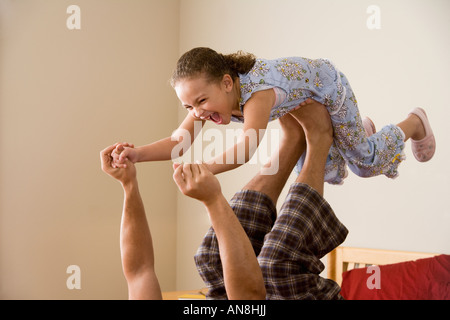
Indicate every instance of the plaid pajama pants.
{"type": "Point", "coordinates": [288, 247]}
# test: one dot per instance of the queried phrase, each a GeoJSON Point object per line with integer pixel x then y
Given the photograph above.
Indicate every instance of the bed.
{"type": "Point", "coordinates": [373, 274]}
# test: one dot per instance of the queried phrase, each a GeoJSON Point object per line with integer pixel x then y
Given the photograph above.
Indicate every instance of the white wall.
{"type": "Point", "coordinates": [392, 70]}
{"type": "Point", "coordinates": [64, 96]}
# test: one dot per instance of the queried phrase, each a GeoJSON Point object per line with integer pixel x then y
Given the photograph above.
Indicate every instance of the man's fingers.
{"type": "Point", "coordinates": [178, 177]}
{"type": "Point", "coordinates": [203, 168]}
{"type": "Point", "coordinates": [187, 171]}
{"type": "Point", "coordinates": [105, 157]}
{"type": "Point", "coordinates": [195, 169]}
{"type": "Point", "coordinates": [175, 165]}
{"type": "Point", "coordinates": [107, 151]}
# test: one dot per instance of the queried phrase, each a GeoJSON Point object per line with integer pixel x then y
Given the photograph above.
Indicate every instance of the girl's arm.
{"type": "Point", "coordinates": [167, 148]}
{"type": "Point", "coordinates": [256, 115]}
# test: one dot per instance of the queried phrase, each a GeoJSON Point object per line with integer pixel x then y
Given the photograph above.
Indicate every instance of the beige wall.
{"type": "Point", "coordinates": [392, 70]}
{"type": "Point", "coordinates": [64, 96]}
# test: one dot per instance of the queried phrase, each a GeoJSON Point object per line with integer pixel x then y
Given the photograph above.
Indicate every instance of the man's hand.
{"type": "Point", "coordinates": [124, 175]}
{"type": "Point", "coordinates": [196, 181]}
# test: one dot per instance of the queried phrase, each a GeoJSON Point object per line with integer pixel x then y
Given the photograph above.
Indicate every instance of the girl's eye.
{"type": "Point", "coordinates": [202, 101]}
{"type": "Point", "coordinates": [188, 107]}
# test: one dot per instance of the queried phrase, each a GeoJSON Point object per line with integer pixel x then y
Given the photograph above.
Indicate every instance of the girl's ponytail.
{"type": "Point", "coordinates": [240, 62]}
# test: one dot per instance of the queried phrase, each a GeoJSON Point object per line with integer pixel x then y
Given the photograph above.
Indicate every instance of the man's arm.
{"type": "Point", "coordinates": [241, 272]}
{"type": "Point", "coordinates": [136, 247]}
{"type": "Point", "coordinates": [135, 237]}
{"type": "Point", "coordinates": [242, 275]}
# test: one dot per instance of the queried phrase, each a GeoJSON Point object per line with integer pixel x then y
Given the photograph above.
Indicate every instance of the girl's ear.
{"type": "Point", "coordinates": [227, 82]}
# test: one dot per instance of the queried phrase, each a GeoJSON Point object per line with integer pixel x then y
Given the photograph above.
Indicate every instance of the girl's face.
{"type": "Point", "coordinates": [207, 100]}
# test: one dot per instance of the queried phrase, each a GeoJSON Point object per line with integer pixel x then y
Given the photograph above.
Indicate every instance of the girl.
{"type": "Point", "coordinates": [238, 87]}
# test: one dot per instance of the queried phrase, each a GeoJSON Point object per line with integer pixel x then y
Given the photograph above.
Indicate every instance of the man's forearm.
{"type": "Point", "coordinates": [135, 238]}
{"type": "Point", "coordinates": [137, 247]}
{"type": "Point", "coordinates": [242, 274]}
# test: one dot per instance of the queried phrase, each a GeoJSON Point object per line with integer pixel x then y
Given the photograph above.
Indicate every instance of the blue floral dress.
{"type": "Point", "coordinates": [301, 78]}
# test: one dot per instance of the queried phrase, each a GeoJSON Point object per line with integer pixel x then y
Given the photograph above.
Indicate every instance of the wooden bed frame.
{"type": "Point", "coordinates": [343, 259]}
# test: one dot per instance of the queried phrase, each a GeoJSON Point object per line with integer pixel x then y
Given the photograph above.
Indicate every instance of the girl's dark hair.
{"type": "Point", "coordinates": [212, 64]}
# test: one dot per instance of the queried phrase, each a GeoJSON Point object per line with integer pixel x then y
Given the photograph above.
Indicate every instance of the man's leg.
{"type": "Point", "coordinates": [254, 206]}
{"type": "Point", "coordinates": [292, 146]}
{"type": "Point", "coordinates": [306, 228]}
{"type": "Point", "coordinates": [316, 123]}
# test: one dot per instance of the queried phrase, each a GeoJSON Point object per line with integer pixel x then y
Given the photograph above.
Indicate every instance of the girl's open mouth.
{"type": "Point", "coordinates": [216, 118]}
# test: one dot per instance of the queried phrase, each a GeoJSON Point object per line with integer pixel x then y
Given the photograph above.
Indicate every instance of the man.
{"type": "Point", "coordinates": [249, 252]}
{"type": "Point", "coordinates": [288, 247]}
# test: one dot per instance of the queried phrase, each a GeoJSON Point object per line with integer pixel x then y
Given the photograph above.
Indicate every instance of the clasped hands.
{"type": "Point", "coordinates": [194, 180]}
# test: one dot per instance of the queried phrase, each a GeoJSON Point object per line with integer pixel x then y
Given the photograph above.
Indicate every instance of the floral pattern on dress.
{"type": "Point", "coordinates": [336, 169]}
{"type": "Point", "coordinates": [314, 63]}
{"type": "Point", "coordinates": [328, 101]}
{"type": "Point", "coordinates": [295, 94]}
{"type": "Point", "coordinates": [328, 63]}
{"type": "Point", "coordinates": [247, 88]}
{"type": "Point", "coordinates": [334, 106]}
{"type": "Point", "coordinates": [303, 78]}
{"type": "Point", "coordinates": [317, 81]}
{"type": "Point", "coordinates": [291, 70]}
{"type": "Point", "coordinates": [260, 69]}
{"type": "Point", "coordinates": [279, 112]}
{"type": "Point", "coordinates": [353, 99]}
{"type": "Point", "coordinates": [347, 138]}
{"type": "Point", "coordinates": [387, 155]}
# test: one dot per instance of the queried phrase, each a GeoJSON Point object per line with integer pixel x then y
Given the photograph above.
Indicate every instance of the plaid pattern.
{"type": "Point", "coordinates": [288, 247]}
{"type": "Point", "coordinates": [257, 214]}
{"type": "Point", "coordinates": [305, 231]}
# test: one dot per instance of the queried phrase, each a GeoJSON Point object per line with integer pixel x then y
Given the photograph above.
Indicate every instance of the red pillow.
{"type": "Point", "coordinates": [422, 279]}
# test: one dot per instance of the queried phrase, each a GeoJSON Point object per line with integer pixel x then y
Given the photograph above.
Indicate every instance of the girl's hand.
{"type": "Point", "coordinates": [121, 153]}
